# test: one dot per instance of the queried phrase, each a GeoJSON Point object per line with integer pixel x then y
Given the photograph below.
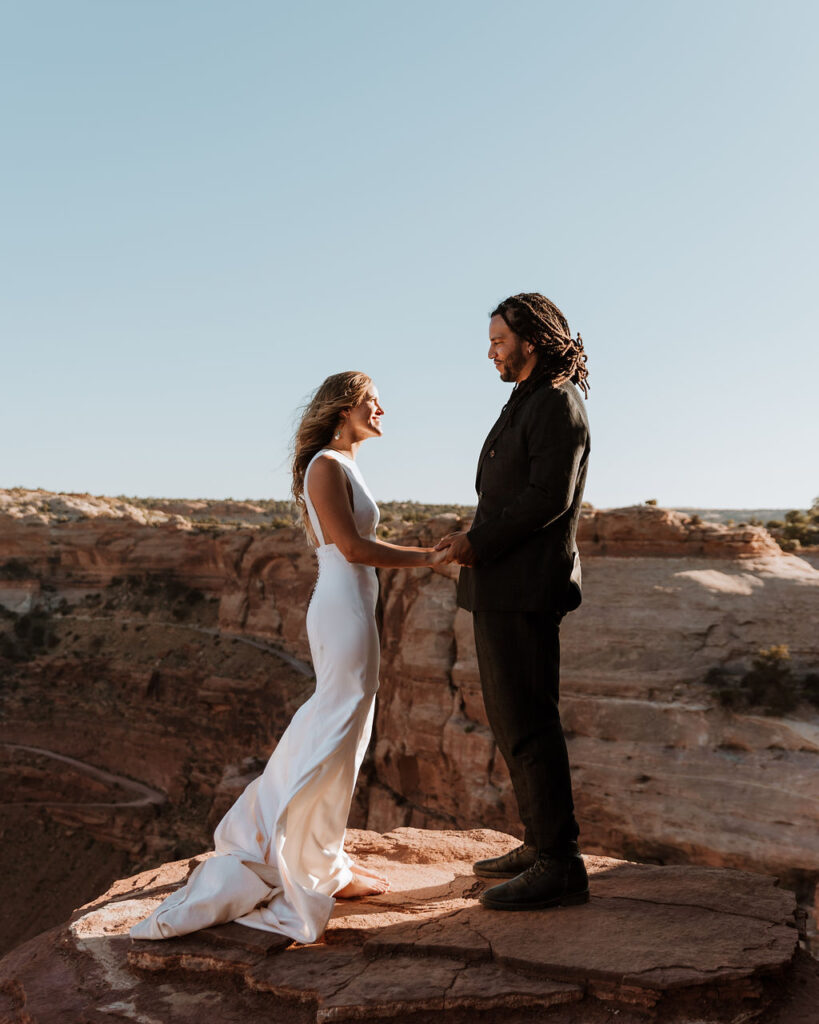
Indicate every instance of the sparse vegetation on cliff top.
{"type": "Point", "coordinates": [209, 514]}
{"type": "Point", "coordinates": [799, 529]}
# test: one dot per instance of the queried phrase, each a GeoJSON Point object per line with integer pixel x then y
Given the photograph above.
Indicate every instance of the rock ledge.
{"type": "Point", "coordinates": [655, 943]}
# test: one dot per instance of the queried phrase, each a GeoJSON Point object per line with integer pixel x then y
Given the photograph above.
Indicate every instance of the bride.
{"type": "Point", "coordinates": [280, 860]}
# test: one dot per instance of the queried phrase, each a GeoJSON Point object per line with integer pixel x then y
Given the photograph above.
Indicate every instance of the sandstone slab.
{"type": "Point", "coordinates": [655, 943]}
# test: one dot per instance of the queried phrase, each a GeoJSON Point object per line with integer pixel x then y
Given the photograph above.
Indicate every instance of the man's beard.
{"type": "Point", "coordinates": [513, 364]}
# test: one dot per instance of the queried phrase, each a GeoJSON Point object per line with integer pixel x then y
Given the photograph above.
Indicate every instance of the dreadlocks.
{"type": "Point", "coordinates": [535, 319]}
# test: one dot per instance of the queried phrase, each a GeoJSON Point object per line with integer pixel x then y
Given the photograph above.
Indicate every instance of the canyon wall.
{"type": "Point", "coordinates": [171, 653]}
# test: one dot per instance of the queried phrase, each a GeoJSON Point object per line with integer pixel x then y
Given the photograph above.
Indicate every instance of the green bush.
{"type": "Point", "coordinates": [769, 685]}
{"type": "Point", "coordinates": [799, 529]}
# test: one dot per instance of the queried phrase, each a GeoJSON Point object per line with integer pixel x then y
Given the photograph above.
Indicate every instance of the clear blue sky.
{"type": "Point", "coordinates": [208, 207]}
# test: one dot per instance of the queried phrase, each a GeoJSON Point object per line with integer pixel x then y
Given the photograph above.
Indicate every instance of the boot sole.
{"type": "Point", "coordinates": [573, 899]}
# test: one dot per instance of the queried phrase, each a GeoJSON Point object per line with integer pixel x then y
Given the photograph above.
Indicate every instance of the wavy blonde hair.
{"type": "Point", "coordinates": [318, 421]}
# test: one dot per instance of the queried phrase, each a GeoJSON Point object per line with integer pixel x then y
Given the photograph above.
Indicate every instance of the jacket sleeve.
{"type": "Point", "coordinates": [556, 439]}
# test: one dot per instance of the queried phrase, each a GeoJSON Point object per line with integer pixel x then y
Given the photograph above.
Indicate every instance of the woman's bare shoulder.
{"type": "Point", "coordinates": [327, 476]}
{"type": "Point", "coordinates": [325, 467]}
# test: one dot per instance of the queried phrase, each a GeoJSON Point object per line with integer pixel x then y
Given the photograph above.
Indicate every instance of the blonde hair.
{"type": "Point", "coordinates": [318, 421]}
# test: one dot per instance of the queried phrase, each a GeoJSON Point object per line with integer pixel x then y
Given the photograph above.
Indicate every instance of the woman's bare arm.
{"type": "Point", "coordinates": [327, 486]}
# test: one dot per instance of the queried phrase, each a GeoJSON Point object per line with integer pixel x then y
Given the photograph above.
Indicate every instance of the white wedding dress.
{"type": "Point", "coordinates": [280, 848]}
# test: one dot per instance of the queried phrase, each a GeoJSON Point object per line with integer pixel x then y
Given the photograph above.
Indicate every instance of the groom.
{"type": "Point", "coordinates": [520, 575]}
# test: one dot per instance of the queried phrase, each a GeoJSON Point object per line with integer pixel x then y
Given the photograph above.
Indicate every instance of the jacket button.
{"type": "Point", "coordinates": [492, 453]}
{"type": "Point", "coordinates": [480, 495]}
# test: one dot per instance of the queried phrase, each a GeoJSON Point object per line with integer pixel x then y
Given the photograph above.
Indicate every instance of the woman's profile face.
{"type": "Point", "coordinates": [365, 418]}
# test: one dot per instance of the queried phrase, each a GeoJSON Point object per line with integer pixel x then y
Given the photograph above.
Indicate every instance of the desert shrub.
{"type": "Point", "coordinates": [769, 685]}
{"type": "Point", "coordinates": [15, 569]}
{"type": "Point", "coordinates": [32, 628]}
{"type": "Point", "coordinates": [810, 688]}
{"type": "Point", "coordinates": [163, 585]}
{"type": "Point", "coordinates": [33, 633]}
{"type": "Point", "coordinates": [157, 591]}
{"type": "Point", "coordinates": [799, 528]}
{"type": "Point", "coordinates": [724, 688]}
{"type": "Point", "coordinates": [417, 512]}
{"type": "Point", "coordinates": [9, 649]}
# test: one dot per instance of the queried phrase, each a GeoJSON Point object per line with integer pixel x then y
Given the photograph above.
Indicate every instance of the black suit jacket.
{"type": "Point", "coordinates": [531, 474]}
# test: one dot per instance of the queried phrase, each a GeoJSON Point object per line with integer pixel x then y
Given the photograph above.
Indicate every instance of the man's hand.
{"type": "Point", "coordinates": [438, 563]}
{"type": "Point", "coordinates": [458, 548]}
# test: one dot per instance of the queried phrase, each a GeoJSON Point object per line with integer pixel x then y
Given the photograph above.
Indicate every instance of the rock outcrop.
{"type": "Point", "coordinates": [648, 531]}
{"type": "Point", "coordinates": [670, 944]}
{"type": "Point", "coordinates": [172, 652]}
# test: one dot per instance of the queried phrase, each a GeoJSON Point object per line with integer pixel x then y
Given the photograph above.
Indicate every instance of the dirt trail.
{"type": "Point", "coordinates": [146, 795]}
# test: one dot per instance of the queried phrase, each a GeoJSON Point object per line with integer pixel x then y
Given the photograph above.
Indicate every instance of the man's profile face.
{"type": "Point", "coordinates": [509, 354]}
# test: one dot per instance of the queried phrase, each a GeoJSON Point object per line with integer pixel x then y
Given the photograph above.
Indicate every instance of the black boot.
{"type": "Point", "coordinates": [508, 865]}
{"type": "Point", "coordinates": [552, 881]}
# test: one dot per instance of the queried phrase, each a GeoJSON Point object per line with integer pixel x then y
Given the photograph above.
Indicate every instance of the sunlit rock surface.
{"type": "Point", "coordinates": [669, 944]}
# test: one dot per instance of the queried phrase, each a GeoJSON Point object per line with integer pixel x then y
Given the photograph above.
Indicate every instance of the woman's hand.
{"type": "Point", "coordinates": [437, 557]}
{"type": "Point", "coordinates": [438, 562]}
{"type": "Point", "coordinates": [457, 548]}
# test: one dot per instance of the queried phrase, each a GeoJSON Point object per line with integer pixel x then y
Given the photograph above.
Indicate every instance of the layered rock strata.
{"type": "Point", "coordinates": [172, 653]}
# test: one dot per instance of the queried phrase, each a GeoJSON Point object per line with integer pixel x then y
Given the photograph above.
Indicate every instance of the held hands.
{"type": "Point", "coordinates": [436, 560]}
{"type": "Point", "coordinates": [455, 547]}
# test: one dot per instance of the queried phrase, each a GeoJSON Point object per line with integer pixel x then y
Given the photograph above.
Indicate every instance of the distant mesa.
{"type": "Point", "coordinates": [639, 529]}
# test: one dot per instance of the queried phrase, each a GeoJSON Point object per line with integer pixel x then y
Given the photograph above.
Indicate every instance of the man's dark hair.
{"type": "Point", "coordinates": [534, 318]}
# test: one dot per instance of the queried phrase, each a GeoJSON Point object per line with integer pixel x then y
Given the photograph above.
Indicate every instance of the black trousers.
{"type": "Point", "coordinates": [519, 663]}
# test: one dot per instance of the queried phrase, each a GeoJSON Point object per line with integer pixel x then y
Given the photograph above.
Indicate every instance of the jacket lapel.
{"type": "Point", "coordinates": [491, 437]}
{"type": "Point", "coordinates": [506, 412]}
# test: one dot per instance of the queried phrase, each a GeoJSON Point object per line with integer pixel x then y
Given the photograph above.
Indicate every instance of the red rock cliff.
{"type": "Point", "coordinates": [172, 653]}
